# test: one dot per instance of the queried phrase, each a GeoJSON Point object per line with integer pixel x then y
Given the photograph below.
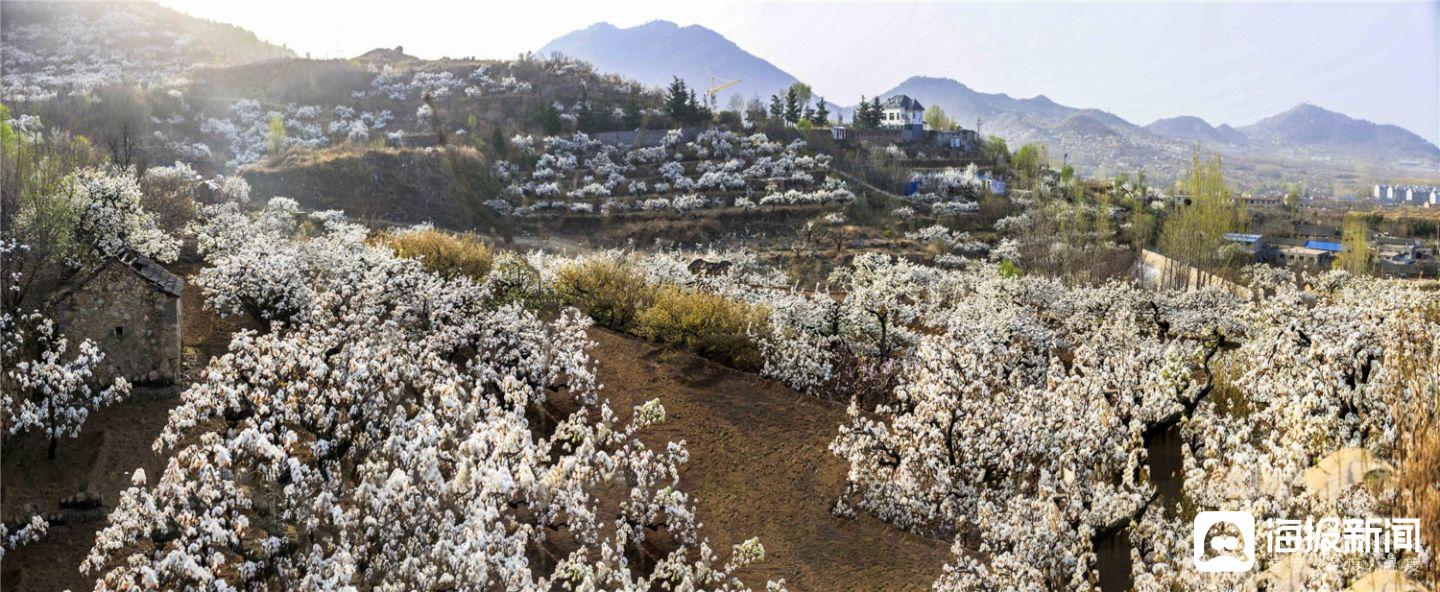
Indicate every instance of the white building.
{"type": "Point", "coordinates": [901, 111]}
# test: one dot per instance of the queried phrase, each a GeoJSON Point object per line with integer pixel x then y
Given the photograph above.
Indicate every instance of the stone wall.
{"type": "Point", "coordinates": [135, 324]}
{"type": "Point", "coordinates": [1160, 272]}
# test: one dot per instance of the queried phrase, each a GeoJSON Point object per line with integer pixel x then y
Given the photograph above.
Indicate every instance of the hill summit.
{"type": "Point", "coordinates": [656, 51]}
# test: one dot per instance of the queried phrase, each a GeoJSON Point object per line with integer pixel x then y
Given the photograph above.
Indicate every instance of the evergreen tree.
{"type": "Point", "coordinates": [585, 117]}
{"type": "Point", "coordinates": [777, 109]}
{"type": "Point", "coordinates": [861, 117]}
{"type": "Point", "coordinates": [755, 113]}
{"type": "Point", "coordinates": [822, 113]}
{"type": "Point", "coordinates": [498, 143]}
{"type": "Point", "coordinates": [678, 100]}
{"type": "Point", "coordinates": [792, 106]}
{"type": "Point", "coordinates": [632, 117]}
{"type": "Point", "coordinates": [697, 113]}
{"type": "Point", "coordinates": [548, 119]}
{"type": "Point", "coordinates": [877, 113]}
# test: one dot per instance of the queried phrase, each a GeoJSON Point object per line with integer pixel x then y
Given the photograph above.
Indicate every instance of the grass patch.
{"type": "Point", "coordinates": [609, 291]}
{"type": "Point", "coordinates": [446, 254]}
{"type": "Point", "coordinates": [711, 325]}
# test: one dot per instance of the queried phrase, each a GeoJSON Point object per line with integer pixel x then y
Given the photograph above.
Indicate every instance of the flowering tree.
{"type": "Point", "coordinates": [45, 389]}
{"type": "Point", "coordinates": [398, 430]}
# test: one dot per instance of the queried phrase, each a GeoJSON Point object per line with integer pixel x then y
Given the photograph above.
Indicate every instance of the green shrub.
{"type": "Point", "coordinates": [446, 254]}
{"type": "Point", "coordinates": [711, 325]}
{"type": "Point", "coordinates": [1009, 269]}
{"type": "Point", "coordinates": [609, 291]}
{"type": "Point", "coordinates": [513, 281]}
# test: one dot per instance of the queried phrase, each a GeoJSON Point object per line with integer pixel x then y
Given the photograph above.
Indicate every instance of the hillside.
{"type": "Point", "coordinates": [654, 52]}
{"type": "Point", "coordinates": [54, 48]}
{"type": "Point", "coordinates": [405, 186]}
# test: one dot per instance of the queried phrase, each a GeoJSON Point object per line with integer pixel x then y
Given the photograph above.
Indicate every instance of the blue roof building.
{"type": "Point", "coordinates": [1323, 246]}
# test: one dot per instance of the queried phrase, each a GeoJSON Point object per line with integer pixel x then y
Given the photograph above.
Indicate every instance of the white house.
{"type": "Point", "coordinates": [901, 112]}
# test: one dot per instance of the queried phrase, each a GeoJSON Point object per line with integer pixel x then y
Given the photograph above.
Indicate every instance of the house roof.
{"type": "Point", "coordinates": [144, 267]}
{"type": "Point", "coordinates": [1323, 246]}
{"type": "Point", "coordinates": [903, 102]}
{"type": "Point", "coordinates": [1303, 251]}
{"type": "Point", "coordinates": [152, 272]}
{"type": "Point", "coordinates": [1241, 237]}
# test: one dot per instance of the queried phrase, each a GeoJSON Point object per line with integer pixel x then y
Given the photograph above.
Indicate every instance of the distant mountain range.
{"type": "Point", "coordinates": [1194, 129]}
{"type": "Point", "coordinates": [1089, 138]}
{"type": "Point", "coordinates": [657, 51]}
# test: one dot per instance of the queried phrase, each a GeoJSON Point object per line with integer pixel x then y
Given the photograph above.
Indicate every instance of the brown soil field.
{"type": "Point", "coordinates": [759, 465]}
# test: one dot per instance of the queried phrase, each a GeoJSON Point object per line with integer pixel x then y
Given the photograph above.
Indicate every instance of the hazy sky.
{"type": "Point", "coordinates": [1230, 62]}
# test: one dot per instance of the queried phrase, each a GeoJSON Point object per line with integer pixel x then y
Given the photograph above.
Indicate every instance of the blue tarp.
{"type": "Point", "coordinates": [912, 187]}
{"type": "Point", "coordinates": [1323, 246]}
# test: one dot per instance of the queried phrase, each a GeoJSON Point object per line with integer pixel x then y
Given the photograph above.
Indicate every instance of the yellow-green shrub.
{"type": "Point", "coordinates": [446, 254]}
{"type": "Point", "coordinates": [609, 291]}
{"type": "Point", "coordinates": [711, 325]}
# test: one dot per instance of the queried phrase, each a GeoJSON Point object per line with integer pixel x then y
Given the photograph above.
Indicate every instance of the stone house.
{"type": "Point", "coordinates": [130, 308]}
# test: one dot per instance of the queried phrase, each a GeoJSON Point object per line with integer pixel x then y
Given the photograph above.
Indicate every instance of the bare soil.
{"type": "Point", "coordinates": [760, 466]}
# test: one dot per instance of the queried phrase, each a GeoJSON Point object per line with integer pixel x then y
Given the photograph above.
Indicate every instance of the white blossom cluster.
{"type": "Point", "coordinates": [614, 179]}
{"type": "Point", "coordinates": [955, 241]}
{"type": "Point", "coordinates": [356, 127]}
{"type": "Point", "coordinates": [245, 133]}
{"type": "Point", "coordinates": [34, 529]}
{"type": "Point", "coordinates": [401, 431]}
{"type": "Point", "coordinates": [111, 219]}
{"type": "Point", "coordinates": [1024, 424]}
{"type": "Point", "coordinates": [951, 181]}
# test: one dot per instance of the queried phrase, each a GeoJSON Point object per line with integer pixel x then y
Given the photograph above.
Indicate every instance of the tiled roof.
{"type": "Point", "coordinates": [903, 102]}
{"type": "Point", "coordinates": [152, 272]}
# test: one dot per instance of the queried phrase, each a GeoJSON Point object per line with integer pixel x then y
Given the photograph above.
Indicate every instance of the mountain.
{"type": "Point", "coordinates": [1314, 127]}
{"type": "Point", "coordinates": [656, 51]}
{"type": "Point", "coordinates": [967, 105]}
{"type": "Point", "coordinates": [1193, 129]}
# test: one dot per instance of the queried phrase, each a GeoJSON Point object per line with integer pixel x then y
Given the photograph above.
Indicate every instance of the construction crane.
{"type": "Point", "coordinates": [710, 95]}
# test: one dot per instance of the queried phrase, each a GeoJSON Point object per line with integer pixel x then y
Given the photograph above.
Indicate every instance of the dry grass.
{"type": "Point", "coordinates": [1417, 413]}
{"type": "Point", "coordinates": [444, 253]}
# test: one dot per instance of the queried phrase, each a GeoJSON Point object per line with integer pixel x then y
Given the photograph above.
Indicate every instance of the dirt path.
{"type": "Point", "coordinates": [760, 465]}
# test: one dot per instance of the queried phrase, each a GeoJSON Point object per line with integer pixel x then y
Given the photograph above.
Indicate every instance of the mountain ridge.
{"type": "Point", "coordinates": [656, 51]}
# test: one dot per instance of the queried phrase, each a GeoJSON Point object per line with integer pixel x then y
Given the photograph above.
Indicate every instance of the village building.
{"type": "Point", "coordinates": [902, 112]}
{"type": "Point", "coordinates": [1268, 200]}
{"type": "Point", "coordinates": [1253, 244]}
{"type": "Point", "coordinates": [1305, 257]}
{"type": "Point", "coordinates": [130, 308]}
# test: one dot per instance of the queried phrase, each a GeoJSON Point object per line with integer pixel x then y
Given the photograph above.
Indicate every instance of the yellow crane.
{"type": "Point", "coordinates": [710, 95]}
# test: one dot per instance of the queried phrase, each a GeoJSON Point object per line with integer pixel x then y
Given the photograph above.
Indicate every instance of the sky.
{"type": "Point", "coordinates": [1227, 62]}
